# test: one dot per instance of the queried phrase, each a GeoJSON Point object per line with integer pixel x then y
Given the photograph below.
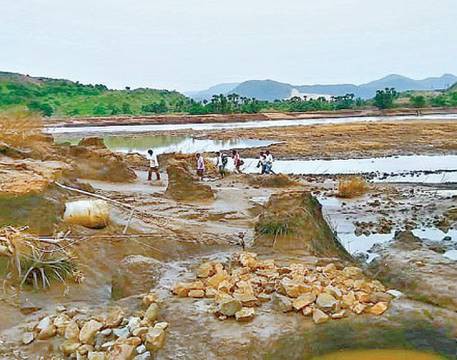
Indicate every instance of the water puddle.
{"type": "Point", "coordinates": [164, 144]}
{"type": "Point", "coordinates": [238, 125]}
{"type": "Point", "coordinates": [378, 354]}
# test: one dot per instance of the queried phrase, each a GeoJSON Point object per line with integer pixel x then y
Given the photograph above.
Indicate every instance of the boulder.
{"type": "Point", "coordinates": [88, 331]}
{"type": "Point", "coordinates": [229, 306]}
{"type": "Point", "coordinates": [93, 214]}
{"type": "Point", "coordinates": [154, 339]}
{"type": "Point", "coordinates": [303, 301]}
{"type": "Point", "coordinates": [245, 314]}
{"type": "Point", "coordinates": [326, 301]}
{"type": "Point", "coordinates": [319, 317]}
{"type": "Point", "coordinates": [378, 309]}
{"type": "Point", "coordinates": [152, 313]}
{"type": "Point", "coordinates": [183, 186]}
{"type": "Point", "coordinates": [281, 303]}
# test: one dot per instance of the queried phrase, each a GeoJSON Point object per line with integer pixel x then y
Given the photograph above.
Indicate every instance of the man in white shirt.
{"type": "Point", "coordinates": [153, 165]}
{"type": "Point", "coordinates": [268, 162]}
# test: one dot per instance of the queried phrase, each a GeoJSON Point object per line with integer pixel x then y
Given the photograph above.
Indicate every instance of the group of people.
{"type": "Point", "coordinates": [265, 163]}
{"type": "Point", "coordinates": [222, 161]}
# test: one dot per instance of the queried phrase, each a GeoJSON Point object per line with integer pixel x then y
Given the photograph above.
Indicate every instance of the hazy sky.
{"type": "Point", "coordinates": [192, 44]}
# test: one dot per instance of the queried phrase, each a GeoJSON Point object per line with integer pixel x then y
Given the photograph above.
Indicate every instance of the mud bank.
{"type": "Point", "coordinates": [223, 118]}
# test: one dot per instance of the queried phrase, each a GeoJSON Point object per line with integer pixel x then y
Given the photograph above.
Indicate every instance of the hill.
{"type": "Point", "coordinates": [65, 97]}
{"type": "Point", "coordinates": [272, 90]}
{"type": "Point", "coordinates": [213, 90]}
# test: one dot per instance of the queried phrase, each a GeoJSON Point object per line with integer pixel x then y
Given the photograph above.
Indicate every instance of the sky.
{"type": "Point", "coordinates": [194, 44]}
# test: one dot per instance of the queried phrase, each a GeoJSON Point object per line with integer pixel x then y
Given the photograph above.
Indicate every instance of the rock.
{"type": "Point", "coordinates": [61, 322]}
{"type": "Point", "coordinates": [72, 331]}
{"type": "Point", "coordinates": [229, 306]}
{"type": "Point", "coordinates": [303, 301]}
{"type": "Point", "coordinates": [135, 274]}
{"type": "Point", "coordinates": [210, 292]}
{"type": "Point", "coordinates": [28, 338]}
{"type": "Point", "coordinates": [88, 331]}
{"type": "Point", "coordinates": [394, 293]}
{"type": "Point", "coordinates": [245, 314]}
{"type": "Point", "coordinates": [319, 317]}
{"type": "Point", "coordinates": [121, 352]}
{"type": "Point", "coordinates": [216, 279]}
{"type": "Point", "coordinates": [141, 349]}
{"type": "Point", "coordinates": [281, 303]}
{"type": "Point", "coordinates": [140, 331]}
{"type": "Point", "coordinates": [134, 323]}
{"type": "Point", "coordinates": [154, 339]}
{"type": "Point", "coordinates": [85, 349]}
{"type": "Point", "coordinates": [334, 291]}
{"type": "Point", "coordinates": [161, 325]}
{"type": "Point", "coordinates": [183, 186]}
{"type": "Point", "coordinates": [44, 323]}
{"type": "Point", "coordinates": [68, 347]}
{"type": "Point", "coordinates": [149, 299]}
{"type": "Point", "coordinates": [96, 355]}
{"type": "Point", "coordinates": [339, 315]}
{"type": "Point", "coordinates": [326, 301]}
{"type": "Point", "coordinates": [205, 270]}
{"type": "Point", "coordinates": [293, 288]}
{"type": "Point", "coordinates": [106, 332]}
{"type": "Point", "coordinates": [378, 309]}
{"type": "Point", "coordinates": [47, 333]}
{"type": "Point", "coordinates": [353, 272]}
{"type": "Point", "coordinates": [246, 299]}
{"type": "Point", "coordinates": [348, 299]}
{"type": "Point", "coordinates": [152, 313]}
{"type": "Point", "coordinates": [196, 294]}
{"type": "Point", "coordinates": [358, 308]}
{"type": "Point", "coordinates": [114, 318]}
{"type": "Point", "coordinates": [307, 311]}
{"type": "Point", "coordinates": [92, 141]}
{"type": "Point", "coordinates": [121, 333]}
{"type": "Point", "coordinates": [144, 356]}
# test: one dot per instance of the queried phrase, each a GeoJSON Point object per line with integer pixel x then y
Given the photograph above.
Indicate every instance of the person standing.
{"type": "Point", "coordinates": [237, 161]}
{"type": "Point", "coordinates": [200, 165]}
{"type": "Point", "coordinates": [262, 162]}
{"type": "Point", "coordinates": [221, 163]}
{"type": "Point", "coordinates": [153, 165]}
{"type": "Point", "coordinates": [269, 163]}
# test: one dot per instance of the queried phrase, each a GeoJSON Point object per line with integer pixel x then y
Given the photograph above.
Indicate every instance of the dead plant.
{"type": "Point", "coordinates": [352, 187]}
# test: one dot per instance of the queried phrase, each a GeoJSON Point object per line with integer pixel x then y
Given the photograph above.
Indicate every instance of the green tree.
{"type": "Point", "coordinates": [384, 99]}
{"type": "Point", "coordinates": [126, 109]}
{"type": "Point", "coordinates": [418, 101]}
{"type": "Point", "coordinates": [43, 108]}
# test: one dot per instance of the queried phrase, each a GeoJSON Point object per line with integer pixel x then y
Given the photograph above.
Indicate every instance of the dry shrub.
{"type": "Point", "coordinates": [18, 127]}
{"type": "Point", "coordinates": [352, 187]}
{"type": "Point", "coordinates": [32, 262]}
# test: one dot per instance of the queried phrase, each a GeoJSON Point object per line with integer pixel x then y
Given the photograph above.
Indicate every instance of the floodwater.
{"type": "Point", "coordinates": [380, 166]}
{"type": "Point", "coordinates": [238, 125]}
{"type": "Point", "coordinates": [362, 244]}
{"type": "Point", "coordinates": [165, 144]}
{"type": "Point", "coordinates": [378, 354]}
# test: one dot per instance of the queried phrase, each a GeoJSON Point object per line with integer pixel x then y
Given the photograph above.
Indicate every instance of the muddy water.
{"type": "Point", "coordinates": [379, 166]}
{"type": "Point", "coordinates": [379, 355]}
{"type": "Point", "coordinates": [236, 125]}
{"type": "Point", "coordinates": [164, 144]}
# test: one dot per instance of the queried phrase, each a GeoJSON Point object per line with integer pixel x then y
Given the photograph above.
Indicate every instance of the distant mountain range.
{"type": "Point", "coordinates": [272, 90]}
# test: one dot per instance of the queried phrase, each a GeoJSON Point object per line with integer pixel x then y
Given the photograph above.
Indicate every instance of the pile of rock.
{"type": "Point", "coordinates": [324, 293]}
{"type": "Point", "coordinates": [113, 335]}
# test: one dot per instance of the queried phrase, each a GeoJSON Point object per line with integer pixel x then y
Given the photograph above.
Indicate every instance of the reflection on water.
{"type": "Point", "coordinates": [378, 354]}
{"type": "Point", "coordinates": [164, 144]}
{"type": "Point", "coordinates": [237, 125]}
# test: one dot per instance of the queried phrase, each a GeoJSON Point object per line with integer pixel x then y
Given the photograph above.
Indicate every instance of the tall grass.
{"type": "Point", "coordinates": [352, 187]}
{"type": "Point", "coordinates": [17, 127]}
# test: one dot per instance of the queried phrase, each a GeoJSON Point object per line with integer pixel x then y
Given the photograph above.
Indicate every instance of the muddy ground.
{"type": "Point", "coordinates": [165, 238]}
